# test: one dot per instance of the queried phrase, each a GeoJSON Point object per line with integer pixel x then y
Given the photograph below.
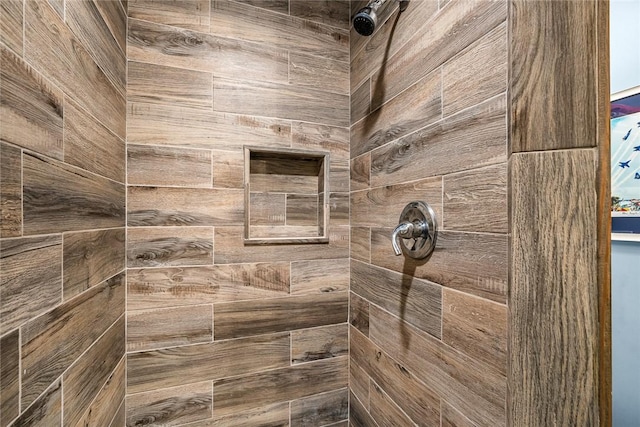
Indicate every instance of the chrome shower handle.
{"type": "Point", "coordinates": [407, 230]}
{"type": "Point", "coordinates": [418, 225]}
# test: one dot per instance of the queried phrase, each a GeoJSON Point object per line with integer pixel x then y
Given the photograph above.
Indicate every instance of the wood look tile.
{"type": "Point", "coordinates": [385, 412]}
{"type": "Point", "coordinates": [474, 138]}
{"type": "Point", "coordinates": [46, 411]}
{"type": "Point", "coordinates": [108, 401]}
{"type": "Point", "coordinates": [115, 17]}
{"type": "Point", "coordinates": [32, 108]}
{"type": "Point", "coordinates": [30, 279]}
{"type": "Point", "coordinates": [553, 273]}
{"type": "Point", "coordinates": [176, 47]}
{"type": "Point", "coordinates": [119, 419]}
{"type": "Point", "coordinates": [319, 276]}
{"type": "Point", "coordinates": [10, 376]}
{"type": "Point", "coordinates": [240, 21]}
{"type": "Point", "coordinates": [269, 209]}
{"type": "Point", "coordinates": [359, 313]}
{"type": "Point", "coordinates": [169, 246]}
{"type": "Point", "coordinates": [85, 378]}
{"type": "Point", "coordinates": [476, 74]}
{"type": "Point", "coordinates": [302, 209]}
{"type": "Point", "coordinates": [361, 243]}
{"type": "Point", "coordinates": [360, 175]}
{"type": "Point", "coordinates": [151, 329]}
{"type": "Point", "coordinates": [251, 391]}
{"type": "Point", "coordinates": [339, 210]}
{"type": "Point", "coordinates": [52, 48]}
{"type": "Point", "coordinates": [170, 407]}
{"type": "Point", "coordinates": [53, 341]}
{"type": "Point", "coordinates": [157, 206]}
{"type": "Point", "coordinates": [358, 414]}
{"type": "Point", "coordinates": [416, 301]}
{"type": "Point", "coordinates": [330, 12]}
{"type": "Point", "coordinates": [322, 409]}
{"type": "Point", "coordinates": [85, 20]}
{"type": "Point", "coordinates": [319, 343]}
{"type": "Point", "coordinates": [314, 136]}
{"type": "Point", "coordinates": [280, 100]}
{"type": "Point", "coordinates": [58, 6]}
{"type": "Point", "coordinates": [171, 287]}
{"type": "Point", "coordinates": [361, 101]}
{"type": "Point", "coordinates": [151, 370]}
{"type": "Point", "coordinates": [157, 166]}
{"type": "Point", "coordinates": [151, 124]}
{"type": "Point", "coordinates": [229, 248]}
{"type": "Point", "coordinates": [401, 385]}
{"type": "Point", "coordinates": [91, 257]}
{"type": "Point", "coordinates": [476, 200]}
{"type": "Point", "coordinates": [281, 6]}
{"type": "Point", "coordinates": [10, 191]}
{"type": "Point", "coordinates": [89, 145]}
{"type": "Point", "coordinates": [471, 263]}
{"type": "Point", "coordinates": [274, 415]}
{"type": "Point", "coordinates": [58, 197]}
{"type": "Point", "coordinates": [11, 24]}
{"type": "Point", "coordinates": [413, 109]}
{"type": "Point", "coordinates": [245, 318]}
{"type": "Point", "coordinates": [359, 383]}
{"type": "Point", "coordinates": [319, 73]}
{"type": "Point", "coordinates": [190, 14]}
{"type": "Point", "coordinates": [158, 84]}
{"type": "Point", "coordinates": [451, 417]}
{"type": "Point", "coordinates": [228, 168]}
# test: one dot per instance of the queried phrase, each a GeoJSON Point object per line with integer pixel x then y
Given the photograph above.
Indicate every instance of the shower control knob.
{"type": "Point", "coordinates": [417, 232]}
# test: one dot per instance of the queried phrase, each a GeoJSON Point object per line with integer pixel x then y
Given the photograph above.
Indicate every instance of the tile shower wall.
{"type": "Point", "coordinates": [219, 333]}
{"type": "Point", "coordinates": [62, 207]}
{"type": "Point", "coordinates": [428, 341]}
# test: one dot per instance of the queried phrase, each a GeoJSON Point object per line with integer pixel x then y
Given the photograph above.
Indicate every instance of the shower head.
{"type": "Point", "coordinates": [365, 21]}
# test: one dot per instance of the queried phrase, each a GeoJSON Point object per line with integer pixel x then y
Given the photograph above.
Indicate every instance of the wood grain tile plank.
{"type": "Point", "coordinates": [319, 73]}
{"type": "Point", "coordinates": [52, 48]}
{"type": "Point", "coordinates": [151, 370]}
{"type": "Point", "coordinates": [10, 191]}
{"type": "Point", "coordinates": [151, 124]}
{"type": "Point", "coordinates": [360, 172]}
{"type": "Point", "coordinates": [320, 410]}
{"type": "Point", "coordinates": [119, 419]}
{"type": "Point", "coordinates": [171, 407]}
{"type": "Point", "coordinates": [46, 411]}
{"type": "Point", "coordinates": [10, 376]}
{"type": "Point", "coordinates": [58, 6]}
{"type": "Point", "coordinates": [360, 101]}
{"type": "Point", "coordinates": [479, 392]}
{"type": "Point", "coordinates": [157, 166]}
{"type": "Point", "coordinates": [31, 107]}
{"type": "Point", "coordinates": [451, 417]}
{"type": "Point", "coordinates": [186, 286]}
{"type": "Point", "coordinates": [281, 6]}
{"type": "Point", "coordinates": [553, 280]}
{"type": "Point", "coordinates": [385, 411]}
{"type": "Point", "coordinates": [11, 22]}
{"type": "Point", "coordinates": [169, 246]}
{"type": "Point", "coordinates": [241, 21]}
{"type": "Point", "coordinates": [245, 318]}
{"type": "Point", "coordinates": [471, 263]}
{"type": "Point", "coordinates": [230, 249]}
{"type": "Point", "coordinates": [108, 401]}
{"type": "Point", "coordinates": [53, 341]}
{"type": "Point", "coordinates": [89, 145]}
{"type": "Point", "coordinates": [404, 387]}
{"type": "Point", "coordinates": [90, 258]}
{"type": "Point", "coordinates": [319, 343]}
{"type": "Point", "coordinates": [358, 414]}
{"type": "Point", "coordinates": [413, 109]}
{"type": "Point", "coordinates": [416, 301]}
{"type": "Point", "coordinates": [270, 231]}
{"type": "Point", "coordinates": [477, 73]}
{"type": "Point", "coordinates": [330, 12]}
{"type": "Point", "coordinates": [274, 415]}
{"type": "Point", "coordinates": [294, 382]}
{"type": "Point", "coordinates": [302, 209]}
{"type": "Point", "coordinates": [359, 383]}
{"type": "Point", "coordinates": [228, 168]}
{"type": "Point", "coordinates": [280, 100]}
{"type": "Point", "coordinates": [339, 209]}
{"type": "Point", "coordinates": [158, 84]}
{"type": "Point", "coordinates": [361, 243]}
{"type": "Point", "coordinates": [30, 279]}
{"type": "Point", "coordinates": [476, 200]}
{"type": "Point", "coordinates": [190, 14]}
{"type": "Point", "coordinates": [86, 377]}
{"type": "Point", "coordinates": [283, 181]}
{"type": "Point", "coordinates": [268, 209]}
{"type": "Point", "coordinates": [473, 138]}
{"type": "Point", "coordinates": [58, 197]}
{"type": "Point", "coordinates": [115, 17]}
{"type": "Point", "coordinates": [359, 313]}
{"type": "Point", "coordinates": [176, 47]}
{"type": "Point", "coordinates": [163, 206]}
{"type": "Point", "coordinates": [319, 276]}
{"type": "Point", "coordinates": [151, 329]}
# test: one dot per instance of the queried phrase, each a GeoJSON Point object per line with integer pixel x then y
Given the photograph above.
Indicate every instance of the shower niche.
{"type": "Point", "coordinates": [286, 196]}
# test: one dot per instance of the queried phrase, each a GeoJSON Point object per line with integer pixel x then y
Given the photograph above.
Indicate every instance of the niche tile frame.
{"type": "Point", "coordinates": [260, 161]}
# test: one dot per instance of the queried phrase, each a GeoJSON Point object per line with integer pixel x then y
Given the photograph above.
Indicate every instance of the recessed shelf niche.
{"type": "Point", "coordinates": [286, 196]}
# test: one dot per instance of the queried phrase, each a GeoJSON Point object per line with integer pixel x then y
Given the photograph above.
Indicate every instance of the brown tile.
{"type": "Point", "coordinates": [361, 243]}
{"type": "Point", "coordinates": [173, 406]}
{"type": "Point", "coordinates": [330, 12]}
{"type": "Point", "coordinates": [322, 409]}
{"type": "Point", "coordinates": [361, 172]}
{"type": "Point", "coordinates": [339, 210]}
{"type": "Point", "coordinates": [452, 418]}
{"type": "Point", "coordinates": [358, 383]}
{"type": "Point", "coordinates": [319, 343]}
{"type": "Point", "coordinates": [53, 341]}
{"type": "Point", "coordinates": [59, 197]}
{"type": "Point", "coordinates": [228, 169]}
{"type": "Point", "coordinates": [359, 313]}
{"type": "Point", "coordinates": [30, 279]}
{"type": "Point", "coordinates": [358, 414]}
{"type": "Point", "coordinates": [178, 286]}
{"type": "Point", "coordinates": [91, 257]}
{"type": "Point", "coordinates": [294, 382]}
{"type": "Point", "coordinates": [385, 412]}
{"type": "Point", "coordinates": [268, 209]}
{"type": "Point", "coordinates": [191, 14]}
{"type": "Point", "coordinates": [302, 209]}
{"type": "Point", "coordinates": [108, 401]}
{"type": "Point", "coordinates": [157, 166]}
{"type": "Point", "coordinates": [319, 73]}
{"type": "Point", "coordinates": [360, 101]}
{"type": "Point", "coordinates": [281, 6]}
{"type": "Point", "coordinates": [11, 33]}
{"type": "Point", "coordinates": [46, 411]}
{"type": "Point", "coordinates": [151, 329]}
{"type": "Point", "coordinates": [245, 318]}
{"type": "Point", "coordinates": [32, 108]}
{"type": "Point", "coordinates": [163, 206]}
{"type": "Point", "coordinates": [10, 376]}
{"type": "Point", "coordinates": [115, 18]}
{"type": "Point", "coordinates": [169, 246]}
{"type": "Point", "coordinates": [58, 6]}
{"type": "Point", "coordinates": [274, 415]}
{"type": "Point", "coordinates": [10, 191]}
{"type": "Point", "coordinates": [119, 419]}
{"type": "Point", "coordinates": [319, 276]}
{"type": "Point", "coordinates": [176, 366]}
